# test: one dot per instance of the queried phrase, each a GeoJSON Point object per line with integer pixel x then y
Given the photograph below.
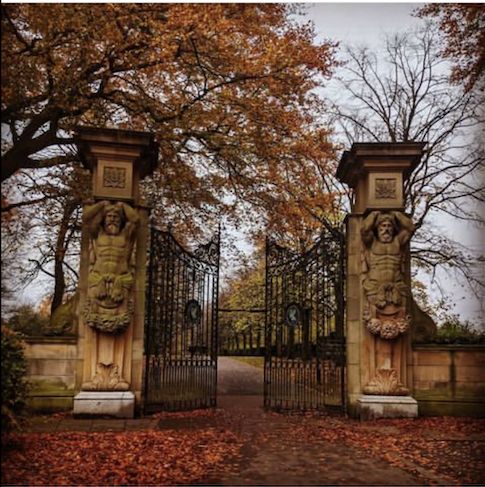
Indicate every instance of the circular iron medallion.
{"type": "Point", "coordinates": [292, 314]}
{"type": "Point", "coordinates": [192, 312]}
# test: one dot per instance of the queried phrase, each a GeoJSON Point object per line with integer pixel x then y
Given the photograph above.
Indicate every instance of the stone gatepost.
{"type": "Point", "coordinates": [113, 271]}
{"type": "Point", "coordinates": [378, 323]}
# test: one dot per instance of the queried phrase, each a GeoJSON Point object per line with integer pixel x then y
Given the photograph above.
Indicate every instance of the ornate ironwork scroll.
{"type": "Point", "coordinates": [304, 329]}
{"type": "Point", "coordinates": [181, 325]}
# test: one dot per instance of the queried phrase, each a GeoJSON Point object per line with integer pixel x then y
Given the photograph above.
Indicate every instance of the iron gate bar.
{"type": "Point", "coordinates": [304, 326]}
{"type": "Point", "coordinates": [181, 324]}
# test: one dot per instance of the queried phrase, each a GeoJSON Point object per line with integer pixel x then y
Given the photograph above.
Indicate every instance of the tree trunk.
{"type": "Point", "coordinates": [61, 245]}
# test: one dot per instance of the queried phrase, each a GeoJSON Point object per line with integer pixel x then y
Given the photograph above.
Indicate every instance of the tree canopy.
{"type": "Point", "coordinates": [225, 88]}
{"type": "Point", "coordinates": [463, 28]}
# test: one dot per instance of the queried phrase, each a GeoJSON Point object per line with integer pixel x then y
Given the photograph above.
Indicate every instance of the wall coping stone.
{"type": "Point", "coordinates": [67, 339]}
{"type": "Point", "coordinates": [449, 347]}
{"type": "Point", "coordinates": [59, 393]}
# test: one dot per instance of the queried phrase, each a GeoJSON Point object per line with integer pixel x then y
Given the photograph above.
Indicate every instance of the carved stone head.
{"type": "Point", "coordinates": [386, 227]}
{"type": "Point", "coordinates": [113, 220]}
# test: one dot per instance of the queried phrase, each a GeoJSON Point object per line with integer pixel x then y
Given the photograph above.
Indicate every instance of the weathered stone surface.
{"type": "Point", "coordinates": [450, 408]}
{"type": "Point", "coordinates": [431, 357]}
{"type": "Point", "coordinates": [51, 367]}
{"type": "Point", "coordinates": [449, 380]}
{"type": "Point", "coordinates": [113, 255]}
{"type": "Point", "coordinates": [385, 381]}
{"type": "Point", "coordinates": [353, 380]}
{"type": "Point", "coordinates": [385, 235]}
{"type": "Point", "coordinates": [353, 331]}
{"type": "Point", "coordinates": [353, 353]}
{"type": "Point", "coordinates": [50, 350]}
{"type": "Point", "coordinates": [470, 373]}
{"type": "Point", "coordinates": [50, 403]}
{"type": "Point", "coordinates": [432, 372]}
{"type": "Point", "coordinates": [471, 357]}
{"type": "Point", "coordinates": [42, 384]}
{"type": "Point", "coordinates": [375, 407]}
{"type": "Point", "coordinates": [378, 233]}
{"type": "Point", "coordinates": [108, 403]}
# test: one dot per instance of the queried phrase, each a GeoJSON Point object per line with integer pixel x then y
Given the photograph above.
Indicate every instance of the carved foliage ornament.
{"type": "Point", "coordinates": [387, 328]}
{"type": "Point", "coordinates": [107, 377]}
{"type": "Point", "coordinates": [386, 382]}
{"type": "Point", "coordinates": [114, 177]}
{"type": "Point", "coordinates": [386, 188]}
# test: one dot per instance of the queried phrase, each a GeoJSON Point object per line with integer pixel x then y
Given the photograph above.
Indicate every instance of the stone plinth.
{"type": "Point", "coordinates": [375, 407]}
{"type": "Point", "coordinates": [106, 403]}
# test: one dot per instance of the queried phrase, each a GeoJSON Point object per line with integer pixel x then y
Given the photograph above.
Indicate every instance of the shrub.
{"type": "Point", "coordinates": [14, 383]}
{"type": "Point", "coordinates": [455, 331]}
{"type": "Point", "coordinates": [26, 320]}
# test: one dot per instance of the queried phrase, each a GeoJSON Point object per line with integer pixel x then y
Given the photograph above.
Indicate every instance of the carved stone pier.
{"type": "Point", "coordinates": [378, 326]}
{"type": "Point", "coordinates": [112, 271]}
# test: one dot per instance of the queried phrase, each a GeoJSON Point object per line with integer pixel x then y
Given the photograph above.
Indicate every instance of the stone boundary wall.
{"type": "Point", "coordinates": [54, 371]}
{"type": "Point", "coordinates": [449, 380]}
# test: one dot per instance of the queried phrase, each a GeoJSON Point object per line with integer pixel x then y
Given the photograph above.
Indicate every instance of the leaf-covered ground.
{"type": "Point", "coordinates": [250, 446]}
{"type": "Point", "coordinates": [433, 450]}
{"type": "Point", "coordinates": [150, 457]}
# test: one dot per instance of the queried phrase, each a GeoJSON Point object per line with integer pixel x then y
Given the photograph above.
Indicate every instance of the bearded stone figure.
{"type": "Point", "coordinates": [385, 235]}
{"type": "Point", "coordinates": [112, 230]}
{"type": "Point", "coordinates": [109, 304]}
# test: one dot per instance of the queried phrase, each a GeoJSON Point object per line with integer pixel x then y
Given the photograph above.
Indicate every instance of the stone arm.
{"type": "Point", "coordinates": [367, 230]}
{"type": "Point", "coordinates": [132, 219]}
{"type": "Point", "coordinates": [407, 227]}
{"type": "Point", "coordinates": [93, 217]}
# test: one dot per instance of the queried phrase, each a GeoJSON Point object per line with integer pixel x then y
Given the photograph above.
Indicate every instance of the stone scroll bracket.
{"type": "Point", "coordinates": [378, 326]}
{"type": "Point", "coordinates": [113, 269]}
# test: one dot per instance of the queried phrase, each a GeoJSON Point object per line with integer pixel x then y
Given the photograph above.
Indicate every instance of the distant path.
{"type": "Point", "coordinates": [237, 378]}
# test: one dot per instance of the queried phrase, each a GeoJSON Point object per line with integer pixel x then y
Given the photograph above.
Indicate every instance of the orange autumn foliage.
{"type": "Point", "coordinates": [227, 89]}
{"type": "Point", "coordinates": [463, 28]}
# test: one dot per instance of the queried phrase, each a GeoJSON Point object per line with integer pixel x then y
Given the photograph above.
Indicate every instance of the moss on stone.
{"type": "Point", "coordinates": [50, 404]}
{"type": "Point", "coordinates": [449, 408]}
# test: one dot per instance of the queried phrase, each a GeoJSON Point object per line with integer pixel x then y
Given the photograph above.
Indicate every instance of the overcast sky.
{"type": "Point", "coordinates": [360, 22]}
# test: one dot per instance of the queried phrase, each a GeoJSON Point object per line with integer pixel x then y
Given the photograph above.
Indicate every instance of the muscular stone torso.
{"type": "Point", "coordinates": [385, 261]}
{"type": "Point", "coordinates": [112, 254]}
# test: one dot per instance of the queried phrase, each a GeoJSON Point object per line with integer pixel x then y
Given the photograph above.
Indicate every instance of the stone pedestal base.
{"type": "Point", "coordinates": [115, 404]}
{"type": "Point", "coordinates": [375, 407]}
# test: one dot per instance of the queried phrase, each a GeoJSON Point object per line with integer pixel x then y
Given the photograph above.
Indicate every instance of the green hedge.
{"type": "Point", "coordinates": [15, 386]}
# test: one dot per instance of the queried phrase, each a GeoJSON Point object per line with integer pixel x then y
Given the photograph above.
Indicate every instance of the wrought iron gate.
{"type": "Point", "coordinates": [304, 329]}
{"type": "Point", "coordinates": [181, 325]}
